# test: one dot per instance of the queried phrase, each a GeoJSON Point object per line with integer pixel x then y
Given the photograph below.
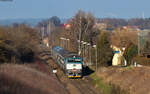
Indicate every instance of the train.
{"type": "Point", "coordinates": [71, 63]}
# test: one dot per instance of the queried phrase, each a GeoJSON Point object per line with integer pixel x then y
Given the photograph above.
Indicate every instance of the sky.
{"type": "Point", "coordinates": [67, 8]}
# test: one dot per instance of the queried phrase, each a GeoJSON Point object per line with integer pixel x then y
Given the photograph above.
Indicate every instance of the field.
{"type": "Point", "coordinates": [132, 80]}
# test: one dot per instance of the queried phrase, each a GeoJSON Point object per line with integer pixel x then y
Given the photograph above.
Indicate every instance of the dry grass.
{"type": "Point", "coordinates": [20, 79]}
{"type": "Point", "coordinates": [133, 80]}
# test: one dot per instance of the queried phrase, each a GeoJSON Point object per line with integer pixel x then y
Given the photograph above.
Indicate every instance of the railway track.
{"type": "Point", "coordinates": [82, 85]}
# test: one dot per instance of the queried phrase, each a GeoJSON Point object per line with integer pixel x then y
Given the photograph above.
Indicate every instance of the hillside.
{"type": "Point", "coordinates": [133, 80]}
{"type": "Point", "coordinates": [9, 22]}
{"type": "Point", "coordinates": [21, 79]}
{"type": "Point", "coordinates": [30, 21]}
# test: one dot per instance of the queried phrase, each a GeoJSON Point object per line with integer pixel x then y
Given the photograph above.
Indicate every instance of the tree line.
{"type": "Point", "coordinates": [18, 43]}
{"type": "Point", "coordinates": [139, 22]}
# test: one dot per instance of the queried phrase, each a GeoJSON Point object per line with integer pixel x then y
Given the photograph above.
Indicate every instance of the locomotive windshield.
{"type": "Point", "coordinates": [74, 60]}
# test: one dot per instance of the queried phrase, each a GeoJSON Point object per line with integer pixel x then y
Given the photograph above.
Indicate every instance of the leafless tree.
{"type": "Point", "coordinates": [81, 27]}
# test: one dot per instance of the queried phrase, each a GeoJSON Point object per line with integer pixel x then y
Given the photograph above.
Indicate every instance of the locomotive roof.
{"type": "Point", "coordinates": [64, 53]}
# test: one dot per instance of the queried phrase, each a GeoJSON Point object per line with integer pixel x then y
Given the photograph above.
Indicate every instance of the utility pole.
{"type": "Point", "coordinates": [84, 49]}
{"type": "Point", "coordinates": [42, 31]}
{"type": "Point", "coordinates": [91, 55]}
{"type": "Point", "coordinates": [59, 42]}
{"type": "Point", "coordinates": [49, 27]}
{"type": "Point", "coordinates": [143, 17]}
{"type": "Point", "coordinates": [80, 31]}
{"type": "Point", "coordinates": [95, 55]}
{"type": "Point", "coordinates": [138, 43]}
{"type": "Point", "coordinates": [68, 44]}
{"type": "Point", "coordinates": [96, 59]}
{"type": "Point", "coordinates": [89, 50]}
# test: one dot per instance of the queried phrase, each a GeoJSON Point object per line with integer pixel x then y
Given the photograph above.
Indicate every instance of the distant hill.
{"type": "Point", "coordinates": [9, 22]}
{"type": "Point", "coordinates": [31, 22]}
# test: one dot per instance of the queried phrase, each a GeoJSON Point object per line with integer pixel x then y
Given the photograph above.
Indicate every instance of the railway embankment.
{"type": "Point", "coordinates": [130, 80]}
{"type": "Point", "coordinates": [106, 88]}
{"type": "Point", "coordinates": [28, 79]}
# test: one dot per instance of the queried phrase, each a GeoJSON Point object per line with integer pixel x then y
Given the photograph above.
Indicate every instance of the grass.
{"type": "Point", "coordinates": [13, 86]}
{"type": "Point", "coordinates": [105, 87]}
{"type": "Point", "coordinates": [22, 79]}
{"type": "Point", "coordinates": [130, 67]}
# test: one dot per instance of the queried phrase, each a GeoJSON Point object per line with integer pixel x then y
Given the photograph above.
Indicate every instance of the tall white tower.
{"type": "Point", "coordinates": [143, 15]}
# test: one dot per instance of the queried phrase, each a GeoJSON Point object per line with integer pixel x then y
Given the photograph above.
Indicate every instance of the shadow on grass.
{"type": "Point", "coordinates": [14, 86]}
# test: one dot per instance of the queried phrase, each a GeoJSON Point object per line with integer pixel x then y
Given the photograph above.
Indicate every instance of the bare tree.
{"type": "Point", "coordinates": [123, 38]}
{"type": "Point", "coordinates": [18, 42]}
{"type": "Point", "coordinates": [81, 27]}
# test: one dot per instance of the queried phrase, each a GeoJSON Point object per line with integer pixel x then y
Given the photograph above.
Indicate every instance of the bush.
{"type": "Point", "coordinates": [18, 46]}
{"type": "Point", "coordinates": [105, 53]}
{"type": "Point", "coordinates": [131, 52]}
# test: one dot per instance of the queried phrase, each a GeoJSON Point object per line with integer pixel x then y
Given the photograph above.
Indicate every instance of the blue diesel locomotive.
{"type": "Point", "coordinates": [71, 63]}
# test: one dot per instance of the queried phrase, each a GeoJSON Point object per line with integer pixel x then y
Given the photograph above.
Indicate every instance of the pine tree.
{"type": "Point", "coordinates": [104, 51]}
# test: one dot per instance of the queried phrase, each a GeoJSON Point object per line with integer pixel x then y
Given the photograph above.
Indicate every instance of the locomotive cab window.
{"type": "Point", "coordinates": [74, 60]}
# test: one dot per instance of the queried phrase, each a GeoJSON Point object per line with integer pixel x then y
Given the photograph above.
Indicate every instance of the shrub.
{"type": "Point", "coordinates": [131, 52]}
{"type": "Point", "coordinates": [18, 46]}
{"type": "Point", "coordinates": [105, 53]}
